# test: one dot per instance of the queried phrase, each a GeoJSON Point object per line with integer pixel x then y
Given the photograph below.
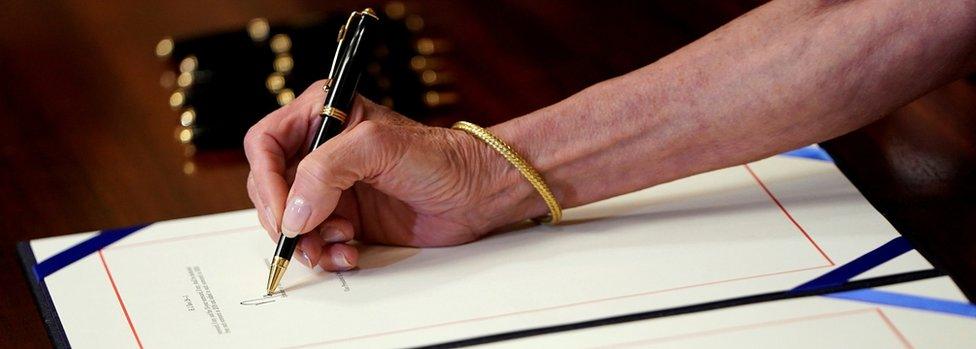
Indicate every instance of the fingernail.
{"type": "Point", "coordinates": [341, 261]}
{"type": "Point", "coordinates": [271, 218]}
{"type": "Point", "coordinates": [307, 261]}
{"type": "Point", "coordinates": [333, 234]}
{"type": "Point", "coordinates": [296, 213]}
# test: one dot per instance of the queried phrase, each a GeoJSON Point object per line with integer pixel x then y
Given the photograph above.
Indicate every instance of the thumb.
{"type": "Point", "coordinates": [362, 153]}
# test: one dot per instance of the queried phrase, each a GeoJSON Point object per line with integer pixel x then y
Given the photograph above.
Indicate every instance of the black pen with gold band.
{"type": "Point", "coordinates": [352, 55]}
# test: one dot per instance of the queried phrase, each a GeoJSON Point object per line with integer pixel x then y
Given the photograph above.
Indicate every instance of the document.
{"type": "Point", "coordinates": [766, 226]}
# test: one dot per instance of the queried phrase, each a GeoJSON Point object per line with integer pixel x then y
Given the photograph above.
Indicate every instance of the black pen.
{"type": "Point", "coordinates": [350, 59]}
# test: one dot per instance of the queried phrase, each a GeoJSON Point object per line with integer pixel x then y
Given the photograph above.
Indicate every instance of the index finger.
{"type": "Point", "coordinates": [276, 139]}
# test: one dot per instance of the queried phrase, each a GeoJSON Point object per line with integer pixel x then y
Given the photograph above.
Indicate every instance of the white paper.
{"type": "Point", "coordinates": [768, 226]}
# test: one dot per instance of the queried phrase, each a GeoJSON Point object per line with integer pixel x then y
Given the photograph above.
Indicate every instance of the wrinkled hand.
{"type": "Point", "coordinates": [385, 179]}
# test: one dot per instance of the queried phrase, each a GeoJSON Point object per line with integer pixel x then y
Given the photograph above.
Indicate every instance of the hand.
{"type": "Point", "coordinates": [385, 179]}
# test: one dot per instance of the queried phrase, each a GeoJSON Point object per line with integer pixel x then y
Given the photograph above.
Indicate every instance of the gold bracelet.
{"type": "Point", "coordinates": [527, 171]}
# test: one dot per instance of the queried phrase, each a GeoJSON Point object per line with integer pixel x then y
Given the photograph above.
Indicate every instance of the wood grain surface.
{"type": "Point", "coordinates": [86, 139]}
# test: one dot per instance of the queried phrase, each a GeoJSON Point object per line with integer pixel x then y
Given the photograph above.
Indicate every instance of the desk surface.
{"type": "Point", "coordinates": [81, 105]}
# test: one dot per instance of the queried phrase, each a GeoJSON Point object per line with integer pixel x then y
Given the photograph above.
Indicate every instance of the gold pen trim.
{"type": "Point", "coordinates": [336, 113]}
{"type": "Point", "coordinates": [278, 267]}
{"type": "Point", "coordinates": [369, 12]}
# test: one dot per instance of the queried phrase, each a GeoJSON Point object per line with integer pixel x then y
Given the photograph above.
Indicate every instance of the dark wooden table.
{"type": "Point", "coordinates": [86, 139]}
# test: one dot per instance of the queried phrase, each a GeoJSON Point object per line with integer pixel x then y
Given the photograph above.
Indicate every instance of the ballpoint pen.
{"type": "Point", "coordinates": [350, 59]}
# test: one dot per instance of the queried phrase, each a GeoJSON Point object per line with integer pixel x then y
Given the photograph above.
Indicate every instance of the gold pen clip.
{"type": "Point", "coordinates": [342, 30]}
{"type": "Point", "coordinates": [369, 12]}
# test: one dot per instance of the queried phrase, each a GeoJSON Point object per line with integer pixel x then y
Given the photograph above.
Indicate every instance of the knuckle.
{"type": "Point", "coordinates": [252, 186]}
{"type": "Point", "coordinates": [370, 131]}
{"type": "Point", "coordinates": [251, 145]}
{"type": "Point", "coordinates": [254, 197]}
{"type": "Point", "coordinates": [314, 171]}
{"type": "Point", "coordinates": [368, 127]}
{"type": "Point", "coordinates": [253, 136]}
{"type": "Point", "coordinates": [373, 108]}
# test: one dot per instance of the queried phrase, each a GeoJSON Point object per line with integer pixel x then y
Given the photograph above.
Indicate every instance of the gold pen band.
{"type": "Point", "coordinates": [334, 112]}
{"type": "Point", "coordinates": [527, 171]}
{"type": "Point", "coordinates": [278, 267]}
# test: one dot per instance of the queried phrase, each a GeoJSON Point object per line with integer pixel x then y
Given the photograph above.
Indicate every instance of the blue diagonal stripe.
{"type": "Point", "coordinates": [814, 152]}
{"type": "Point", "coordinates": [908, 301]}
{"type": "Point", "coordinates": [79, 251]}
{"type": "Point", "coordinates": [894, 248]}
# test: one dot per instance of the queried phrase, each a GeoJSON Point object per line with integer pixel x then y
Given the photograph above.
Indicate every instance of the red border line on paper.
{"type": "Point", "coordinates": [119, 297]}
{"type": "Point", "coordinates": [242, 229]}
{"type": "Point", "coordinates": [679, 337]}
{"type": "Point", "coordinates": [894, 329]}
{"type": "Point", "coordinates": [788, 215]}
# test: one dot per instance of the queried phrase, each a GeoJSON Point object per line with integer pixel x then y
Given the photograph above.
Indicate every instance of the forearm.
{"type": "Point", "coordinates": [785, 75]}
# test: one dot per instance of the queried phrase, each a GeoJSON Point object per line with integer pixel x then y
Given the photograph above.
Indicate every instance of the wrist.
{"type": "Point", "coordinates": [533, 138]}
{"type": "Point", "coordinates": [501, 195]}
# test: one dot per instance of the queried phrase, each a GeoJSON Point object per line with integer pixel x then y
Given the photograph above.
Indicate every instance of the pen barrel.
{"type": "Point", "coordinates": [329, 128]}
{"type": "Point", "coordinates": [352, 55]}
{"type": "Point", "coordinates": [286, 247]}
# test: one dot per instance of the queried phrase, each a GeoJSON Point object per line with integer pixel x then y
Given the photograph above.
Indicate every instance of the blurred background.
{"type": "Point", "coordinates": [114, 113]}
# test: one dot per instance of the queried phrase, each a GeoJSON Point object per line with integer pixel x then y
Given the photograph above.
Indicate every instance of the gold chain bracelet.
{"type": "Point", "coordinates": [527, 171]}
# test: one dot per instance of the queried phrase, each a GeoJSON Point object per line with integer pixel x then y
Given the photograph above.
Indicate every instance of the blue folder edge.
{"type": "Point", "coordinates": [35, 272]}
{"type": "Point", "coordinates": [55, 331]}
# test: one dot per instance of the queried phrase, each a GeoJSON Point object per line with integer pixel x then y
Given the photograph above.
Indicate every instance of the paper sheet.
{"type": "Point", "coordinates": [767, 226]}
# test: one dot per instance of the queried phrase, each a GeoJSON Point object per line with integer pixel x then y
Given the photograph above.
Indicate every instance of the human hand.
{"type": "Point", "coordinates": [385, 179]}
